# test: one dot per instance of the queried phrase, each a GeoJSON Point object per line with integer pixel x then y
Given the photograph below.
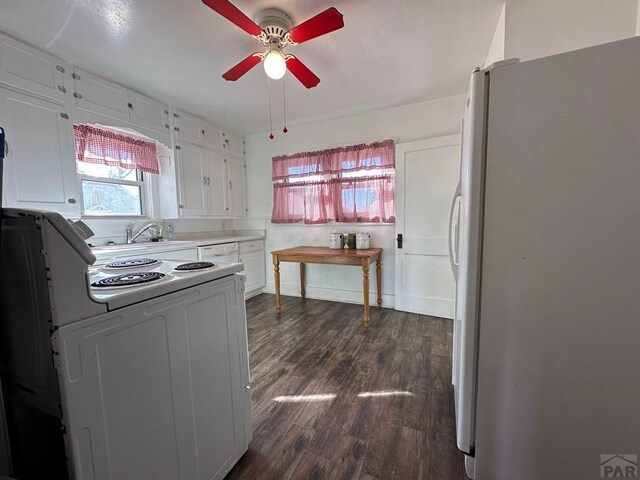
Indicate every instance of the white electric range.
{"type": "Point", "coordinates": [136, 369]}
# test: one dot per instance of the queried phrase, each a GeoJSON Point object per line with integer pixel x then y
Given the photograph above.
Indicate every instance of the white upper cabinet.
{"type": "Point", "coordinates": [213, 139]}
{"type": "Point", "coordinates": [236, 184]}
{"type": "Point", "coordinates": [32, 70]}
{"type": "Point", "coordinates": [101, 96]}
{"type": "Point", "coordinates": [192, 164]}
{"type": "Point", "coordinates": [187, 128]}
{"type": "Point", "coordinates": [40, 168]}
{"type": "Point", "coordinates": [148, 113]}
{"type": "Point", "coordinates": [233, 144]}
{"type": "Point", "coordinates": [217, 183]}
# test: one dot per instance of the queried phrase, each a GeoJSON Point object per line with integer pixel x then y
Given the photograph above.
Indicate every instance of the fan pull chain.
{"type": "Point", "coordinates": [284, 105]}
{"type": "Point", "coordinates": [270, 119]}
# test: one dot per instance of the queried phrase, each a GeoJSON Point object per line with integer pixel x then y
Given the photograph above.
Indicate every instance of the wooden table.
{"type": "Point", "coordinates": [324, 255]}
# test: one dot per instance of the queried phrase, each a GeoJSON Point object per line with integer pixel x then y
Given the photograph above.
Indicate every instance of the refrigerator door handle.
{"type": "Point", "coordinates": [453, 234]}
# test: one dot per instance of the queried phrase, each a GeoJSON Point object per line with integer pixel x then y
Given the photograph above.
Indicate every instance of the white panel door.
{"type": "Point", "coordinates": [236, 181]}
{"type": "Point", "coordinates": [32, 70]}
{"type": "Point", "coordinates": [148, 112]}
{"type": "Point", "coordinates": [217, 185]}
{"type": "Point", "coordinates": [101, 96]}
{"type": "Point", "coordinates": [187, 128]}
{"type": "Point", "coordinates": [193, 168]}
{"type": "Point", "coordinates": [213, 139]}
{"type": "Point", "coordinates": [427, 173]}
{"type": "Point", "coordinates": [40, 168]}
{"type": "Point", "coordinates": [233, 144]}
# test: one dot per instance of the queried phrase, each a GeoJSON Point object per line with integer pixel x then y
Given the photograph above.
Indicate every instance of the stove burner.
{"type": "Point", "coordinates": [131, 263]}
{"type": "Point", "coordinates": [128, 279]}
{"type": "Point", "coordinates": [191, 266]}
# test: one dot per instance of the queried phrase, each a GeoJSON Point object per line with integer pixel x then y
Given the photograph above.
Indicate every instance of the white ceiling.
{"type": "Point", "coordinates": [389, 52]}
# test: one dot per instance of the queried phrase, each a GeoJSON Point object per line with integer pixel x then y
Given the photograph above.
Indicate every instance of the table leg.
{"type": "Point", "coordinates": [302, 291]}
{"type": "Point", "coordinates": [379, 280]}
{"type": "Point", "coordinates": [276, 273]}
{"type": "Point", "coordinates": [365, 290]}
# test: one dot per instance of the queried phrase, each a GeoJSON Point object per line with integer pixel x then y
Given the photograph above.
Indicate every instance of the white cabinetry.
{"type": "Point", "coordinates": [236, 186]}
{"type": "Point", "coordinates": [101, 96]}
{"type": "Point", "coordinates": [252, 256]}
{"type": "Point", "coordinates": [213, 139]}
{"type": "Point", "coordinates": [40, 168]}
{"type": "Point", "coordinates": [209, 184]}
{"type": "Point", "coordinates": [32, 70]}
{"type": "Point", "coordinates": [98, 95]}
{"type": "Point", "coordinates": [187, 128]}
{"type": "Point", "coordinates": [233, 144]}
{"type": "Point", "coordinates": [193, 169]}
{"type": "Point", "coordinates": [148, 113]}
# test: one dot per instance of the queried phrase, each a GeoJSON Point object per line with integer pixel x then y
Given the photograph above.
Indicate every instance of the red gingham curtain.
{"type": "Point", "coordinates": [100, 146]}
{"type": "Point", "coordinates": [338, 192]}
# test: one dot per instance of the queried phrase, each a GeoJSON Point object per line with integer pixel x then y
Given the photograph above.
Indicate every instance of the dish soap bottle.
{"type": "Point", "coordinates": [169, 232]}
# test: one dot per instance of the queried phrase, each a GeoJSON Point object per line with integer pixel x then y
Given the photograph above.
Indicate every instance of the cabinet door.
{"type": "Point", "coordinates": [217, 183]}
{"type": "Point", "coordinates": [101, 96]}
{"type": "Point", "coordinates": [32, 70]}
{"type": "Point", "coordinates": [192, 165]}
{"type": "Point", "coordinates": [233, 144]}
{"type": "Point", "coordinates": [147, 112]}
{"type": "Point", "coordinates": [236, 187]}
{"type": "Point", "coordinates": [40, 168]}
{"type": "Point", "coordinates": [254, 269]}
{"type": "Point", "coordinates": [187, 128]}
{"type": "Point", "coordinates": [213, 137]}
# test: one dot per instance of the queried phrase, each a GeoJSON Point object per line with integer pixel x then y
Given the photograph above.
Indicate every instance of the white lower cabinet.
{"type": "Point", "coordinates": [40, 171]}
{"type": "Point", "coordinates": [252, 256]}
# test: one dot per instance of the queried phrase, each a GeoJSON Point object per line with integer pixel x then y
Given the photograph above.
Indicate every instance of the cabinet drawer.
{"type": "Point", "coordinates": [252, 246]}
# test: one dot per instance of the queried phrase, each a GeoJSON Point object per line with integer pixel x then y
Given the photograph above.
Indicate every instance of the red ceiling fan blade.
{"type": "Point", "coordinates": [231, 13]}
{"type": "Point", "coordinates": [301, 72]}
{"type": "Point", "coordinates": [323, 23]}
{"type": "Point", "coordinates": [243, 67]}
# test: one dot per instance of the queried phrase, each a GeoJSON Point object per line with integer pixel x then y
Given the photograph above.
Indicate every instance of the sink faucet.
{"type": "Point", "coordinates": [131, 237]}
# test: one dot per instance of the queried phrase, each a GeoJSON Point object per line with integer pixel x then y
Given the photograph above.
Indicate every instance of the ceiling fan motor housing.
{"type": "Point", "coordinates": [275, 24]}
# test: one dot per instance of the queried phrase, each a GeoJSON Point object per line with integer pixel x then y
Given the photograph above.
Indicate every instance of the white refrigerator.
{"type": "Point", "coordinates": [545, 247]}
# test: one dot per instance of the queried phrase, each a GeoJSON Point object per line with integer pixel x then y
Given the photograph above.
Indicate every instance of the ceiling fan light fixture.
{"type": "Point", "coordinates": [275, 65]}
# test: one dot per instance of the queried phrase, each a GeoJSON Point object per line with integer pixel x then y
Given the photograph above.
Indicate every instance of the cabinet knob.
{"type": "Point", "coordinates": [177, 129]}
{"type": "Point", "coordinates": [65, 116]}
{"type": "Point", "coordinates": [130, 105]}
{"type": "Point", "coordinates": [62, 89]}
{"type": "Point", "coordinates": [166, 125]}
{"type": "Point", "coordinates": [77, 95]}
{"type": "Point", "coordinates": [60, 68]}
{"type": "Point", "coordinates": [247, 387]}
{"type": "Point", "coordinates": [75, 76]}
{"type": "Point", "coordinates": [71, 201]}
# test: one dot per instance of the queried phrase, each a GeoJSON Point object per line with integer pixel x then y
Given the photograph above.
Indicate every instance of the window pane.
{"type": "Point", "coordinates": [111, 198]}
{"type": "Point", "coordinates": [107, 171]}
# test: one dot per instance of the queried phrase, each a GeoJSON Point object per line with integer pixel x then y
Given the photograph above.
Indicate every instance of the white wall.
{"type": "Point", "coordinates": [404, 123]}
{"type": "Point", "coordinates": [538, 28]}
{"type": "Point", "coordinates": [496, 49]}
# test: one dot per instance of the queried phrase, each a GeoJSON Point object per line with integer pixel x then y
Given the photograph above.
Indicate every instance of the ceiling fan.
{"type": "Point", "coordinates": [274, 29]}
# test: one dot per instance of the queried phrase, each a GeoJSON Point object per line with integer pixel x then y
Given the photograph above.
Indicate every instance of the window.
{"type": "Point", "coordinates": [348, 184]}
{"type": "Point", "coordinates": [111, 168]}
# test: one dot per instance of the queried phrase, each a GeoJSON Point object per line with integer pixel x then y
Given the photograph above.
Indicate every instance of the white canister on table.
{"type": "Point", "coordinates": [335, 241]}
{"type": "Point", "coordinates": [363, 240]}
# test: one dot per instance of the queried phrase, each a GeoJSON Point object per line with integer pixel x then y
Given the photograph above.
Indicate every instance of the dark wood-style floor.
{"type": "Point", "coordinates": [331, 400]}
